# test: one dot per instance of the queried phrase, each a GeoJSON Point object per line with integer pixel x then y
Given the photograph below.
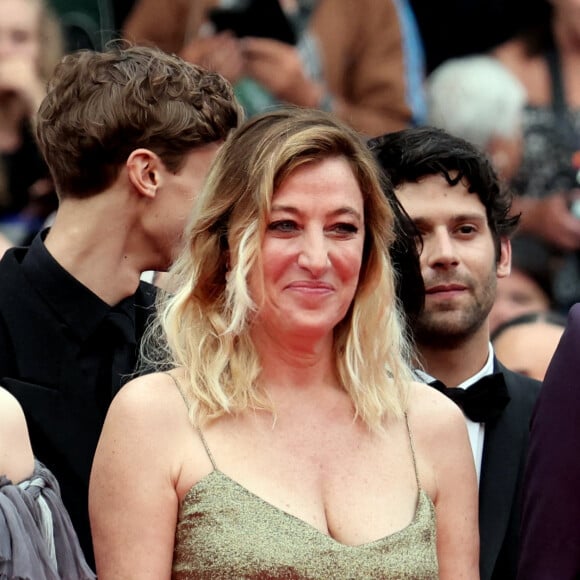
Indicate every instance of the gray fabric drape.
{"type": "Point", "coordinates": [37, 540]}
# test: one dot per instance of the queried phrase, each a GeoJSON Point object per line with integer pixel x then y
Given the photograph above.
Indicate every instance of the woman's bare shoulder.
{"type": "Point", "coordinates": [440, 435]}
{"type": "Point", "coordinates": [151, 396]}
{"type": "Point", "coordinates": [147, 388]}
{"type": "Point", "coordinates": [432, 413]}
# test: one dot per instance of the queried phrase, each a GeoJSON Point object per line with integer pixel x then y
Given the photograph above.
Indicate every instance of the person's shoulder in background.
{"type": "Point", "coordinates": [16, 458]}
{"type": "Point", "coordinates": [42, 543]}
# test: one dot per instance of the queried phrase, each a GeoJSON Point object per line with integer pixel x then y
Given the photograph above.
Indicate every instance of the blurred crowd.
{"type": "Point", "coordinates": [507, 84]}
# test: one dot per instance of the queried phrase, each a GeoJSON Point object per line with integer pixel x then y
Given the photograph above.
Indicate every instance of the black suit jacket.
{"type": "Point", "coordinates": [550, 546]}
{"type": "Point", "coordinates": [56, 356]}
{"type": "Point", "coordinates": [502, 466]}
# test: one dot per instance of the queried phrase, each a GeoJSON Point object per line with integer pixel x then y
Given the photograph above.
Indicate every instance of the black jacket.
{"type": "Point", "coordinates": [501, 479]}
{"type": "Point", "coordinates": [64, 361]}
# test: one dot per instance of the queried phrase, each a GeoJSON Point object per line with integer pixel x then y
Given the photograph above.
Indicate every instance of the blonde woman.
{"type": "Point", "coordinates": [288, 439]}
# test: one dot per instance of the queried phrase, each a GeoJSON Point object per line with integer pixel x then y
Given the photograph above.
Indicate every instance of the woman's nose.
{"type": "Point", "coordinates": [314, 254]}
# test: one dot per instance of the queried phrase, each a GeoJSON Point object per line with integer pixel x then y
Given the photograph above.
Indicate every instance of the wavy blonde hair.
{"type": "Point", "coordinates": [204, 324]}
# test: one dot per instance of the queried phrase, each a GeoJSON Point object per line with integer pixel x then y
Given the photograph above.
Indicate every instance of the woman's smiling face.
{"type": "Point", "coordinates": [312, 250]}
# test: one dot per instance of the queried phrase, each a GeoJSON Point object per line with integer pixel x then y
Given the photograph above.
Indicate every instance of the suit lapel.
{"type": "Point", "coordinates": [504, 440]}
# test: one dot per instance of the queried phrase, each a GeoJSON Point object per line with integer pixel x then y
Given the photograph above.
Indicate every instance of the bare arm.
{"type": "Point", "coordinates": [133, 501]}
{"type": "Point", "coordinates": [364, 63]}
{"type": "Point", "coordinates": [457, 505]}
{"type": "Point", "coordinates": [16, 458]}
{"type": "Point", "coordinates": [444, 443]}
{"type": "Point", "coordinates": [174, 30]}
{"type": "Point", "coordinates": [166, 28]}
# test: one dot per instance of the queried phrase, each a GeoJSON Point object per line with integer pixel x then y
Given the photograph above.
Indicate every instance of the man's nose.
{"type": "Point", "coordinates": [439, 250]}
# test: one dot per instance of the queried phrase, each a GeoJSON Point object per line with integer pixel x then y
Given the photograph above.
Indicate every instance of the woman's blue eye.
{"type": "Point", "coordinates": [345, 228]}
{"type": "Point", "coordinates": [282, 226]}
{"type": "Point", "coordinates": [288, 226]}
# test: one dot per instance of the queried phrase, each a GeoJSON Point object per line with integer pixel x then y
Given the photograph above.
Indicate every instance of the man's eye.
{"type": "Point", "coordinates": [466, 229]}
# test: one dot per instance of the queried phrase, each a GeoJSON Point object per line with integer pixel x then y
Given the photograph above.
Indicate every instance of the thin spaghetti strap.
{"type": "Point", "coordinates": [206, 448]}
{"type": "Point", "coordinates": [178, 388]}
{"type": "Point", "coordinates": [204, 442]}
{"type": "Point", "coordinates": [412, 452]}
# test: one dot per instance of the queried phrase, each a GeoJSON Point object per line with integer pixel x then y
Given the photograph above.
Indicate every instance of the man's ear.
{"type": "Point", "coordinates": [504, 262]}
{"type": "Point", "coordinates": [144, 170]}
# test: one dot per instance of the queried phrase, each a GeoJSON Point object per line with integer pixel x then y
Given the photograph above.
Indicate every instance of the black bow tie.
{"type": "Point", "coordinates": [482, 401]}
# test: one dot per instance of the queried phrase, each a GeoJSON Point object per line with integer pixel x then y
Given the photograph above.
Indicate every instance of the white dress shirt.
{"type": "Point", "coordinates": [476, 431]}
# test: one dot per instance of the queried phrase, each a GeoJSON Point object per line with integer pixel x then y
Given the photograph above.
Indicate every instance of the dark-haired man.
{"type": "Point", "coordinates": [462, 225]}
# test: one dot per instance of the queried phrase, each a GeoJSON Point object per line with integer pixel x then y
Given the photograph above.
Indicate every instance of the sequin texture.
{"type": "Point", "coordinates": [225, 532]}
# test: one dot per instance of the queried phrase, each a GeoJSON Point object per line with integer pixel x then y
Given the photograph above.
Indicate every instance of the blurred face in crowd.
{"type": "Point", "coordinates": [458, 259]}
{"type": "Point", "coordinates": [506, 154]}
{"type": "Point", "coordinates": [516, 294]}
{"type": "Point", "coordinates": [528, 348]}
{"type": "Point", "coordinates": [19, 33]}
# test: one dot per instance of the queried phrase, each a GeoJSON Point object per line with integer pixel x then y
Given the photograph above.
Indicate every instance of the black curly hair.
{"type": "Point", "coordinates": [407, 156]}
{"type": "Point", "coordinates": [410, 154]}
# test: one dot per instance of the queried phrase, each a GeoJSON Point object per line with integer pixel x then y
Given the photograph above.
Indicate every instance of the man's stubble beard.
{"type": "Point", "coordinates": [449, 326]}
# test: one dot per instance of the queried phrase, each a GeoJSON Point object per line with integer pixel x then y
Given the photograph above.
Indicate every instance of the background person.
{"type": "Point", "coordinates": [37, 539]}
{"type": "Point", "coordinates": [288, 438]}
{"type": "Point", "coordinates": [129, 135]}
{"type": "Point", "coordinates": [545, 58]}
{"type": "Point", "coordinates": [550, 536]}
{"type": "Point", "coordinates": [517, 295]}
{"type": "Point", "coordinates": [478, 99]}
{"type": "Point", "coordinates": [460, 219]}
{"type": "Point", "coordinates": [526, 343]}
{"type": "Point", "coordinates": [31, 44]}
{"type": "Point", "coordinates": [348, 57]}
{"type": "Point", "coordinates": [527, 289]}
{"type": "Point", "coordinates": [455, 28]}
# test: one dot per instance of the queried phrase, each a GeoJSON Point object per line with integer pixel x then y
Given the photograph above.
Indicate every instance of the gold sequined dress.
{"type": "Point", "coordinates": [224, 531]}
